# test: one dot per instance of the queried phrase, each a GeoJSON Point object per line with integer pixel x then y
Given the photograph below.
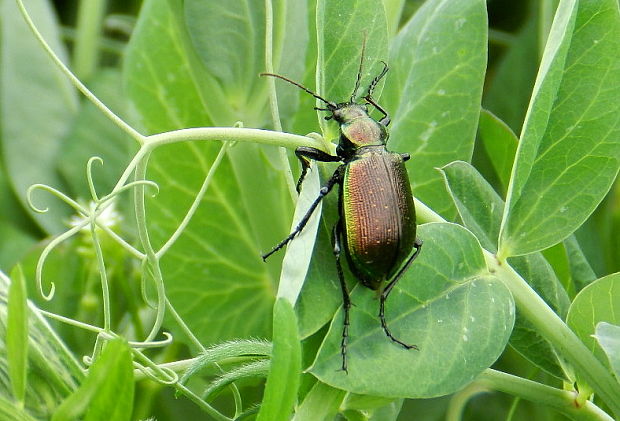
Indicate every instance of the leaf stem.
{"type": "Point", "coordinates": [561, 400]}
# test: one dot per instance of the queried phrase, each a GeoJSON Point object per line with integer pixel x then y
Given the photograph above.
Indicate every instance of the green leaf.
{"type": "Point", "coordinates": [480, 209]}
{"type": "Point", "coordinates": [433, 91]}
{"type": "Point", "coordinates": [14, 244]}
{"type": "Point", "coordinates": [446, 303]}
{"type": "Point", "coordinates": [214, 274]}
{"type": "Point", "coordinates": [107, 391]}
{"type": "Point", "coordinates": [283, 381]}
{"type": "Point", "coordinates": [299, 252]}
{"type": "Point", "coordinates": [500, 144]}
{"type": "Point", "coordinates": [598, 302]}
{"type": "Point", "coordinates": [479, 206]}
{"type": "Point", "coordinates": [17, 334]}
{"type": "Point", "coordinates": [581, 271]}
{"type": "Point", "coordinates": [510, 82]}
{"type": "Point", "coordinates": [37, 103]}
{"type": "Point", "coordinates": [342, 26]}
{"type": "Point", "coordinates": [608, 337]}
{"type": "Point", "coordinates": [569, 151]}
{"type": "Point", "coordinates": [321, 403]}
{"type": "Point", "coordinates": [93, 134]}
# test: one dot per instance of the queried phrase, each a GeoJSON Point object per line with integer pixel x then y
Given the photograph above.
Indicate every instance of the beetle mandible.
{"type": "Point", "coordinates": [377, 222]}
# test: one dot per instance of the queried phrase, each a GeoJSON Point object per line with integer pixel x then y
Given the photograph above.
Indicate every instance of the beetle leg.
{"type": "Point", "coordinates": [388, 288]}
{"type": "Point", "coordinates": [386, 118]}
{"type": "Point", "coordinates": [334, 179]}
{"type": "Point", "coordinates": [305, 152]}
{"type": "Point", "coordinates": [346, 300]}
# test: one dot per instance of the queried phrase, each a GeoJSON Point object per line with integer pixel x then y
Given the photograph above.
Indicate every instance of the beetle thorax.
{"type": "Point", "coordinates": [357, 128]}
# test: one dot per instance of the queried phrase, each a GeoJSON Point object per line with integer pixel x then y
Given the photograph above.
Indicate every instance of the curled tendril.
{"type": "Point", "coordinates": [89, 176]}
{"type": "Point", "coordinates": [75, 205]}
{"type": "Point", "coordinates": [145, 273]}
{"type": "Point", "coordinates": [153, 344]}
{"type": "Point", "coordinates": [130, 186]}
{"type": "Point", "coordinates": [163, 375]}
{"type": "Point", "coordinates": [46, 251]}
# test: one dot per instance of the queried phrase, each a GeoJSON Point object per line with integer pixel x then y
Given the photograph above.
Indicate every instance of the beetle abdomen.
{"type": "Point", "coordinates": [379, 216]}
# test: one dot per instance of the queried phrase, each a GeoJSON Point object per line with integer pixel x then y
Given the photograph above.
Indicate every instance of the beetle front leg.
{"type": "Point", "coordinates": [386, 291]}
{"type": "Point", "coordinates": [304, 153]}
{"type": "Point", "coordinates": [346, 299]}
{"type": "Point", "coordinates": [334, 179]}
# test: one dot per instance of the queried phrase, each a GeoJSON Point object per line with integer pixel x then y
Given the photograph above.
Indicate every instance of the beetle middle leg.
{"type": "Point", "coordinates": [386, 291]}
{"type": "Point", "coordinates": [333, 180]}
{"type": "Point", "coordinates": [304, 153]}
{"type": "Point", "coordinates": [346, 299]}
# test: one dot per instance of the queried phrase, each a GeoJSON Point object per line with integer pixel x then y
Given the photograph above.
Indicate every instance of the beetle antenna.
{"type": "Point", "coordinates": [330, 104]}
{"type": "Point", "coordinates": [359, 71]}
{"type": "Point", "coordinates": [376, 80]}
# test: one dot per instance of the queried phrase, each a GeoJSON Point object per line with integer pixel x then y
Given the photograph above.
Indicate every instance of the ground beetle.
{"type": "Point", "coordinates": [376, 224]}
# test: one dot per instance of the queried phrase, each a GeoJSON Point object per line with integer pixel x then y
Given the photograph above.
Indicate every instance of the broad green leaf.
{"type": "Point", "coordinates": [581, 271]}
{"type": "Point", "coordinates": [446, 303]}
{"type": "Point", "coordinates": [285, 370]}
{"type": "Point", "coordinates": [608, 337]}
{"type": "Point", "coordinates": [321, 403]}
{"type": "Point", "coordinates": [393, 14]}
{"type": "Point", "coordinates": [17, 334]}
{"type": "Point", "coordinates": [107, 391]}
{"type": "Point", "coordinates": [93, 134]}
{"type": "Point", "coordinates": [342, 26]}
{"type": "Point", "coordinates": [37, 103]}
{"type": "Point", "coordinates": [433, 91]}
{"type": "Point", "coordinates": [15, 243]}
{"type": "Point", "coordinates": [510, 82]}
{"type": "Point", "coordinates": [481, 208]}
{"type": "Point", "coordinates": [598, 302]}
{"type": "Point", "coordinates": [214, 274]}
{"type": "Point", "coordinates": [568, 153]}
{"type": "Point", "coordinates": [500, 144]}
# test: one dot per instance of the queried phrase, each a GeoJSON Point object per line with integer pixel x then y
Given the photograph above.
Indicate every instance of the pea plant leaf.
{"type": "Point", "coordinates": [568, 154]}
{"type": "Point", "coordinates": [340, 45]}
{"type": "Point", "coordinates": [165, 78]}
{"type": "Point", "coordinates": [447, 304]}
{"type": "Point", "coordinates": [28, 73]}
{"type": "Point", "coordinates": [480, 209]}
{"type": "Point", "coordinates": [500, 144]}
{"type": "Point", "coordinates": [597, 302]}
{"type": "Point", "coordinates": [608, 337]}
{"type": "Point", "coordinates": [433, 91]}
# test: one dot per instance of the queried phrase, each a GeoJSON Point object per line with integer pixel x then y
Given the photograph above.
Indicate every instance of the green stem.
{"type": "Point", "coordinates": [273, 99]}
{"type": "Point", "coordinates": [561, 400]}
{"type": "Point", "coordinates": [86, 52]}
{"type": "Point", "coordinates": [266, 137]}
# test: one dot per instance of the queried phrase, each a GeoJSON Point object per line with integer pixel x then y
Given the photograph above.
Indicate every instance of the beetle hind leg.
{"type": "Point", "coordinates": [346, 299]}
{"type": "Point", "coordinates": [386, 291]}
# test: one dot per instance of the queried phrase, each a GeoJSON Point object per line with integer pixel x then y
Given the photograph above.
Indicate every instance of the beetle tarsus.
{"type": "Point", "coordinates": [334, 179]}
{"type": "Point", "coordinates": [346, 299]}
{"type": "Point", "coordinates": [386, 292]}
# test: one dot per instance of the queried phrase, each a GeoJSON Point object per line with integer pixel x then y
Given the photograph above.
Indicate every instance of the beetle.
{"type": "Point", "coordinates": [376, 227]}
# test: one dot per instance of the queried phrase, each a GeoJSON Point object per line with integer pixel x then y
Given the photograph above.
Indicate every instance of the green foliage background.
{"type": "Point", "coordinates": [530, 176]}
